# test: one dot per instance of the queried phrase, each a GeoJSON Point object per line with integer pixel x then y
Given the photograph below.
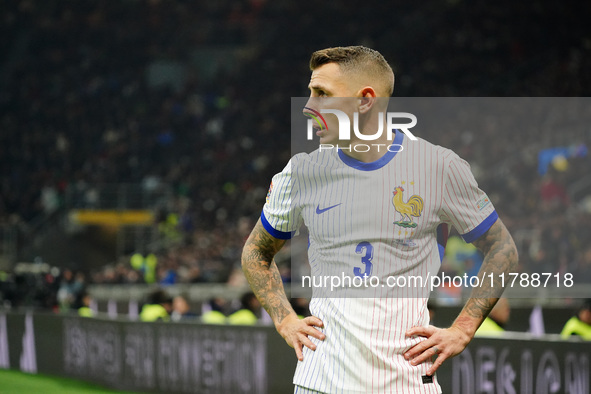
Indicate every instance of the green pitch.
{"type": "Point", "coordinates": [15, 382]}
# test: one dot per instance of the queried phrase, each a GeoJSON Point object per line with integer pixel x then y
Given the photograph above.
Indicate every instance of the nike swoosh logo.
{"type": "Point", "coordinates": [319, 211]}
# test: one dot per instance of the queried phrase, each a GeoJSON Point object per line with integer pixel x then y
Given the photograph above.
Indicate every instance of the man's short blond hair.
{"type": "Point", "coordinates": [359, 60]}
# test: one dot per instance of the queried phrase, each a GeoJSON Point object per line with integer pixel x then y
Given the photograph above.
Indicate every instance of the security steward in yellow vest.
{"type": "Point", "coordinates": [158, 307]}
{"type": "Point", "coordinates": [215, 314]}
{"type": "Point", "coordinates": [83, 299]}
{"type": "Point", "coordinates": [247, 316]}
{"type": "Point", "coordinates": [579, 325]}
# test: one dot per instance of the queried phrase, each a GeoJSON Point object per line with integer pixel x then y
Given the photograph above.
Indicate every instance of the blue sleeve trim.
{"type": "Point", "coordinates": [481, 228]}
{"type": "Point", "coordinates": [275, 233]}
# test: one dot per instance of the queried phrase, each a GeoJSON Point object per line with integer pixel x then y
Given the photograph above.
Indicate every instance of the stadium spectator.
{"type": "Point", "coordinates": [71, 286]}
{"type": "Point", "coordinates": [181, 310]}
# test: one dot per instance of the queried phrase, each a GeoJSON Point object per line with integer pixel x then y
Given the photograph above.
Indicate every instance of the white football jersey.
{"type": "Point", "coordinates": [382, 220]}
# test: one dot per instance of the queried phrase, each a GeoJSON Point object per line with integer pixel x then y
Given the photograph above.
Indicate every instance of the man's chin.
{"type": "Point", "coordinates": [331, 141]}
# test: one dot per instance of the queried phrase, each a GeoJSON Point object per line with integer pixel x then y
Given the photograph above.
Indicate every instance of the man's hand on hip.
{"type": "Point", "coordinates": [295, 331]}
{"type": "Point", "coordinates": [441, 342]}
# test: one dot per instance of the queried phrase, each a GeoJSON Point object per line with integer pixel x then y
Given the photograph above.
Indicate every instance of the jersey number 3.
{"type": "Point", "coordinates": [366, 250]}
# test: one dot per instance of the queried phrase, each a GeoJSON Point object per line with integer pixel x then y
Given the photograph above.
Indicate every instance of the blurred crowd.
{"type": "Point", "coordinates": [196, 95]}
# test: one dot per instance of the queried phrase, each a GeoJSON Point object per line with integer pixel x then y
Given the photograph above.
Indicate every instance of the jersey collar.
{"type": "Point", "coordinates": [374, 165]}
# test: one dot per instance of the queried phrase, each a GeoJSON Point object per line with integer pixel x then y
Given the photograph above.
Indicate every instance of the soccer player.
{"type": "Point", "coordinates": [371, 212]}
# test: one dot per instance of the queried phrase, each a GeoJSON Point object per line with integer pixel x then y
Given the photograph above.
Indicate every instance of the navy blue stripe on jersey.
{"type": "Point", "coordinates": [482, 228]}
{"type": "Point", "coordinates": [441, 249]}
{"type": "Point", "coordinates": [275, 233]}
{"type": "Point", "coordinates": [374, 165]}
{"type": "Point", "coordinates": [442, 235]}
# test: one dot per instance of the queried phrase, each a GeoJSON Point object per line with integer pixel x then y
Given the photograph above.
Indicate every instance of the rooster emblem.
{"type": "Point", "coordinates": [413, 207]}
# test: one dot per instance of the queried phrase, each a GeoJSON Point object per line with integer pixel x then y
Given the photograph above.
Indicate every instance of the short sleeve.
{"type": "Point", "coordinates": [280, 215]}
{"type": "Point", "coordinates": [464, 205]}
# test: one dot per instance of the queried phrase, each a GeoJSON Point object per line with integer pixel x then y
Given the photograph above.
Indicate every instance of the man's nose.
{"type": "Point", "coordinates": [311, 106]}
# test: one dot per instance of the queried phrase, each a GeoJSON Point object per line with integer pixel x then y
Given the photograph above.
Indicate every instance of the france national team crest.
{"type": "Point", "coordinates": [413, 207]}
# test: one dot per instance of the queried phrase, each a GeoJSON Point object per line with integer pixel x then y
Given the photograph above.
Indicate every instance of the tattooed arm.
{"type": "Point", "coordinates": [264, 279]}
{"type": "Point", "coordinates": [500, 256]}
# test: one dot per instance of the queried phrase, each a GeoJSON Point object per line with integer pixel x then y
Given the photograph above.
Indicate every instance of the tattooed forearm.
{"type": "Point", "coordinates": [262, 273]}
{"type": "Point", "coordinates": [500, 257]}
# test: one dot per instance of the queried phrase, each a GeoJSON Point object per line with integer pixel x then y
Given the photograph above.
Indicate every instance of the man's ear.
{"type": "Point", "coordinates": [367, 99]}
